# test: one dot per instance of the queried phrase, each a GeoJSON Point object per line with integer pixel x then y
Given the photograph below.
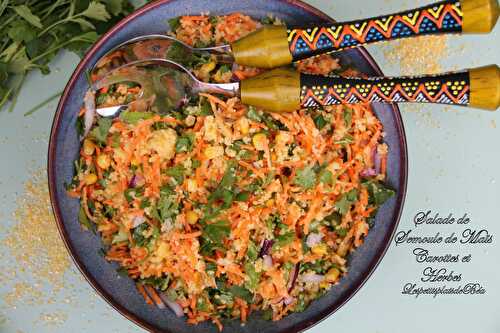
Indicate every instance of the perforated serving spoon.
{"type": "Point", "coordinates": [284, 89]}
{"type": "Point", "coordinates": [274, 46]}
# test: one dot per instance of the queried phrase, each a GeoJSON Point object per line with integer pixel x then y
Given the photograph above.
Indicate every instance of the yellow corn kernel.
{"type": "Point", "coordinates": [88, 147]}
{"type": "Point", "coordinates": [244, 125]}
{"type": "Point", "coordinates": [192, 217]}
{"type": "Point", "coordinates": [324, 285]}
{"type": "Point", "coordinates": [319, 249]}
{"type": "Point", "coordinates": [207, 68]}
{"type": "Point", "coordinates": [270, 203]}
{"type": "Point", "coordinates": [259, 141]}
{"type": "Point", "coordinates": [90, 179]}
{"type": "Point", "coordinates": [163, 250]}
{"type": "Point", "coordinates": [134, 161]}
{"type": "Point", "coordinates": [103, 161]}
{"type": "Point", "coordinates": [213, 152]}
{"type": "Point", "coordinates": [332, 275]}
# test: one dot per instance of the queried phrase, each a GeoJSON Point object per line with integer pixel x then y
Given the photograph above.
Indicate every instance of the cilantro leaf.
{"type": "Point", "coordinates": [348, 117]}
{"type": "Point", "coordinates": [305, 177]}
{"type": "Point", "coordinates": [216, 232]}
{"type": "Point", "coordinates": [25, 13]}
{"type": "Point", "coordinates": [100, 132]}
{"type": "Point", "coordinates": [319, 121]}
{"type": "Point", "coordinates": [242, 293]}
{"type": "Point", "coordinates": [84, 220]}
{"type": "Point", "coordinates": [346, 200]}
{"type": "Point", "coordinates": [185, 143]}
{"type": "Point", "coordinates": [325, 176]}
{"type": "Point", "coordinates": [174, 23]}
{"type": "Point", "coordinates": [96, 11]}
{"type": "Point", "coordinates": [378, 192]}
{"type": "Point", "coordinates": [133, 118]}
{"type": "Point", "coordinates": [253, 276]}
{"type": "Point", "coordinates": [284, 239]}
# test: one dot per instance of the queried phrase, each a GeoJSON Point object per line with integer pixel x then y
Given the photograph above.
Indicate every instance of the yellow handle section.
{"type": "Point", "coordinates": [485, 87]}
{"type": "Point", "coordinates": [277, 90]}
{"type": "Point", "coordinates": [479, 16]}
{"type": "Point", "coordinates": [264, 48]}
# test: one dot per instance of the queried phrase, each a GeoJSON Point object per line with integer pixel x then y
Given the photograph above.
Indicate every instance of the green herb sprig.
{"type": "Point", "coordinates": [32, 32]}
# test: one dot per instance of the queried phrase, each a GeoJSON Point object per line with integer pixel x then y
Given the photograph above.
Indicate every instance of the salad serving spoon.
{"type": "Point", "coordinates": [169, 84]}
{"type": "Point", "coordinates": [277, 45]}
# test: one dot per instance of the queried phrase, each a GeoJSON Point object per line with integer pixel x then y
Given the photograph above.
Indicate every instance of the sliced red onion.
{"type": "Point", "coordinates": [313, 278]}
{"type": "Point", "coordinates": [288, 300]}
{"type": "Point", "coordinates": [294, 273]}
{"type": "Point", "coordinates": [136, 179]}
{"type": "Point", "coordinates": [89, 116]}
{"type": "Point", "coordinates": [137, 221]}
{"type": "Point", "coordinates": [267, 244]}
{"type": "Point", "coordinates": [160, 305]}
{"type": "Point", "coordinates": [370, 172]}
{"type": "Point", "coordinates": [174, 306]}
{"type": "Point", "coordinates": [313, 239]}
{"type": "Point", "coordinates": [267, 261]}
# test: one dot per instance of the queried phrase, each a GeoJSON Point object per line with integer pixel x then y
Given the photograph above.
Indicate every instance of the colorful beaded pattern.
{"type": "Point", "coordinates": [442, 17]}
{"type": "Point", "coordinates": [444, 89]}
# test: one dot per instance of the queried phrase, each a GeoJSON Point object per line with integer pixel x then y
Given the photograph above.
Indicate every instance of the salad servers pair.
{"type": "Point", "coordinates": [284, 89]}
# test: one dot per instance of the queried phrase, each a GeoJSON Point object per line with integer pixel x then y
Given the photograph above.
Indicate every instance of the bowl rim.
{"type": "Point", "coordinates": [300, 327]}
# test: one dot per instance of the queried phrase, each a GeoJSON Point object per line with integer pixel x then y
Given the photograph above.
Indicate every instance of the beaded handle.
{"type": "Point", "coordinates": [273, 46]}
{"type": "Point", "coordinates": [451, 88]}
{"type": "Point", "coordinates": [442, 17]}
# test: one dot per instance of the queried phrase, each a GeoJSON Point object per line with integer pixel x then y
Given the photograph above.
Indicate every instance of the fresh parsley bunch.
{"type": "Point", "coordinates": [32, 32]}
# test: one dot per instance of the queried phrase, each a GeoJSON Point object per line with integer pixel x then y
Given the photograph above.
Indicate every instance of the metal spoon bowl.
{"type": "Point", "coordinates": [157, 46]}
{"type": "Point", "coordinates": [151, 75]}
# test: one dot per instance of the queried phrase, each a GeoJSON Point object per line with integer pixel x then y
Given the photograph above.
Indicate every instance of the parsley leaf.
{"type": "Point", "coordinates": [253, 276]}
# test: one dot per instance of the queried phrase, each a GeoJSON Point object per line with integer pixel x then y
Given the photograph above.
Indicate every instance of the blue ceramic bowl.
{"type": "Point", "coordinates": [83, 246]}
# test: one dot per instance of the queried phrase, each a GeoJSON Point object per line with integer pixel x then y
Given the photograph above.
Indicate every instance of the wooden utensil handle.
{"type": "Point", "coordinates": [274, 46]}
{"type": "Point", "coordinates": [477, 88]}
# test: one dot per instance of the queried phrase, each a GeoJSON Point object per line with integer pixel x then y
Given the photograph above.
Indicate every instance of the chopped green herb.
{"type": "Point", "coordinates": [100, 132]}
{"type": "Point", "coordinates": [242, 293]}
{"type": "Point", "coordinates": [305, 177]}
{"type": "Point", "coordinates": [346, 201]}
{"type": "Point", "coordinates": [319, 121]}
{"type": "Point", "coordinates": [133, 117]}
{"type": "Point", "coordinates": [185, 143]}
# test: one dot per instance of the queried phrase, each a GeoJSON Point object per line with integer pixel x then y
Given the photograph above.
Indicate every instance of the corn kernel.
{"type": "Point", "coordinates": [332, 275]}
{"type": "Point", "coordinates": [88, 147]}
{"type": "Point", "coordinates": [319, 249]}
{"type": "Point", "coordinates": [90, 179]}
{"type": "Point", "coordinates": [134, 161]}
{"type": "Point", "coordinates": [213, 152]}
{"type": "Point", "coordinates": [103, 161]}
{"type": "Point", "coordinates": [163, 250]}
{"type": "Point", "coordinates": [192, 217]}
{"type": "Point", "coordinates": [324, 285]}
{"type": "Point", "coordinates": [260, 141]}
{"type": "Point", "coordinates": [207, 68]}
{"type": "Point", "coordinates": [243, 125]}
{"type": "Point", "coordinates": [270, 203]}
